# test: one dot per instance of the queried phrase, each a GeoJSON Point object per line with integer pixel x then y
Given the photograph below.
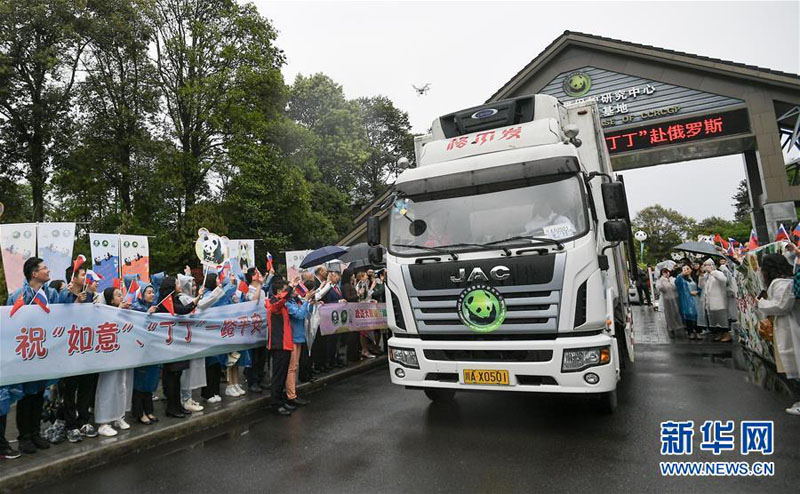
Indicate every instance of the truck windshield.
{"type": "Point", "coordinates": [554, 209]}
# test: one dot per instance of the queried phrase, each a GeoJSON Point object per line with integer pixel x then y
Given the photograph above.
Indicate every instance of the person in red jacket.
{"type": "Point", "coordinates": [279, 345]}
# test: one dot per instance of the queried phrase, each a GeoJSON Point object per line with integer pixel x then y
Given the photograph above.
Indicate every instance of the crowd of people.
{"type": "Point", "coordinates": [100, 404]}
{"type": "Point", "coordinates": [698, 297]}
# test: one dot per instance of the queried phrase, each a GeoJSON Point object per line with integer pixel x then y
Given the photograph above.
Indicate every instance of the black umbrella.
{"type": "Point", "coordinates": [322, 255]}
{"type": "Point", "coordinates": [356, 252]}
{"type": "Point", "coordinates": [361, 265]}
{"type": "Point", "coordinates": [703, 248]}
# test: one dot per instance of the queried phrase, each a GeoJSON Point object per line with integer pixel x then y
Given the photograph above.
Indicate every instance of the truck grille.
{"type": "Point", "coordinates": [532, 295]}
{"type": "Point", "coordinates": [490, 355]}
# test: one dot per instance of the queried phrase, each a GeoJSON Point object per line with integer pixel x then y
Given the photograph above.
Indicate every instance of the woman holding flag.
{"type": "Point", "coordinates": [145, 379]}
{"type": "Point", "coordinates": [169, 301]}
{"type": "Point", "coordinates": [114, 388]}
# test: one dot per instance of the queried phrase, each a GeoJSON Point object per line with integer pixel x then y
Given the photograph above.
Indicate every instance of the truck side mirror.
{"type": "Point", "coordinates": [375, 255]}
{"type": "Point", "coordinates": [614, 201]}
{"type": "Point", "coordinates": [373, 230]}
{"type": "Point", "coordinates": [616, 230]}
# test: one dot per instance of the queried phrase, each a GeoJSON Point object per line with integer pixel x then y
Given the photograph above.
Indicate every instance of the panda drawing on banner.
{"type": "Point", "coordinates": [135, 256]}
{"type": "Point", "coordinates": [211, 249]}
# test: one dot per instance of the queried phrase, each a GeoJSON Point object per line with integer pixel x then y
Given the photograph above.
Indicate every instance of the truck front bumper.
{"type": "Point", "coordinates": [438, 367]}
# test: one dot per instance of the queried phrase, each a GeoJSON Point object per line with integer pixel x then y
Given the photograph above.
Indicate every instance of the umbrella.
{"type": "Point", "coordinates": [322, 255]}
{"type": "Point", "coordinates": [356, 252]}
{"type": "Point", "coordinates": [360, 265]}
{"type": "Point", "coordinates": [703, 248]}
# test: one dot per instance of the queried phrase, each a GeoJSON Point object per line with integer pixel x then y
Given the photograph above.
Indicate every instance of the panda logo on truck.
{"type": "Point", "coordinates": [481, 308]}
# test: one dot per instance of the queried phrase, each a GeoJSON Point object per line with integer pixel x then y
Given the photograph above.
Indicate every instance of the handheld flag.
{"type": "Point", "coordinates": [752, 244]}
{"type": "Point", "coordinates": [133, 291]}
{"type": "Point", "coordinates": [169, 304]}
{"type": "Point", "coordinates": [301, 289]}
{"type": "Point", "coordinates": [243, 287]}
{"type": "Point", "coordinates": [40, 299]}
{"type": "Point", "coordinates": [782, 234]}
{"type": "Point", "coordinates": [733, 242]}
{"type": "Point", "coordinates": [718, 238]}
{"type": "Point", "coordinates": [19, 303]}
{"type": "Point", "coordinates": [269, 262]}
{"type": "Point", "coordinates": [225, 271]}
{"type": "Point", "coordinates": [796, 231]}
{"type": "Point", "coordinates": [730, 250]}
{"type": "Point", "coordinates": [92, 277]}
{"type": "Point", "coordinates": [77, 263]}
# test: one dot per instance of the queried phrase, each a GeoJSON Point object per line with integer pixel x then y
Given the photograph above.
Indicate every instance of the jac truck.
{"type": "Point", "coordinates": [507, 255]}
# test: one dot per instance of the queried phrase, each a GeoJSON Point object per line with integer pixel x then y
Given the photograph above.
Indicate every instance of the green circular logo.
{"type": "Point", "coordinates": [577, 84]}
{"type": "Point", "coordinates": [481, 308]}
{"type": "Point", "coordinates": [344, 317]}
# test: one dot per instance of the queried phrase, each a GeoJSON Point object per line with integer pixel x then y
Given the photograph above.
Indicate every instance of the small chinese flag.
{"type": "Point", "coordinates": [133, 291]}
{"type": "Point", "coordinates": [169, 304]}
{"type": "Point", "coordinates": [722, 241]}
{"type": "Point", "coordinates": [19, 303]}
{"type": "Point", "coordinates": [77, 263]}
{"type": "Point", "coordinates": [243, 287]}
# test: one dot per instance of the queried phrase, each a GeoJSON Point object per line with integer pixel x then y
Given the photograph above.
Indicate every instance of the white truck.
{"type": "Point", "coordinates": [506, 262]}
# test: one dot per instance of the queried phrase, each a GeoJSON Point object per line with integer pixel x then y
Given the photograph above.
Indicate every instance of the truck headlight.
{"type": "Point", "coordinates": [576, 359]}
{"type": "Point", "coordinates": [404, 356]}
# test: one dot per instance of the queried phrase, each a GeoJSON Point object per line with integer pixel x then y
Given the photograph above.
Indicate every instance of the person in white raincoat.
{"type": "Point", "coordinates": [778, 301]}
{"type": "Point", "coordinates": [195, 376]}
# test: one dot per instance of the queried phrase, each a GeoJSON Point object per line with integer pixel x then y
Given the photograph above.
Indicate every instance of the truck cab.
{"type": "Point", "coordinates": [506, 260]}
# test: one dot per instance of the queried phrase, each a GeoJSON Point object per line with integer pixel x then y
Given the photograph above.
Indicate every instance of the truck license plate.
{"type": "Point", "coordinates": [485, 376]}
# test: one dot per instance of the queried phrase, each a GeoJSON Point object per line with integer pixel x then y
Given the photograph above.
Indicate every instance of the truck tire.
{"type": "Point", "coordinates": [607, 402]}
{"type": "Point", "coordinates": [440, 395]}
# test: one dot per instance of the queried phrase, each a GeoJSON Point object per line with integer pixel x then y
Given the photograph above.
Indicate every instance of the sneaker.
{"type": "Point", "coordinates": [7, 452]}
{"type": "Point", "coordinates": [213, 399]}
{"type": "Point", "coordinates": [121, 424]}
{"type": "Point", "coordinates": [289, 406]}
{"type": "Point", "coordinates": [27, 446]}
{"type": "Point", "coordinates": [40, 442]}
{"type": "Point", "coordinates": [192, 405]}
{"type": "Point", "coordinates": [282, 410]}
{"type": "Point", "coordinates": [794, 410]}
{"type": "Point", "coordinates": [106, 430]}
{"type": "Point", "coordinates": [74, 436]}
{"type": "Point", "coordinates": [299, 402]}
{"type": "Point", "coordinates": [231, 391]}
{"type": "Point", "coordinates": [88, 430]}
{"type": "Point", "coordinates": [367, 355]}
{"type": "Point", "coordinates": [240, 389]}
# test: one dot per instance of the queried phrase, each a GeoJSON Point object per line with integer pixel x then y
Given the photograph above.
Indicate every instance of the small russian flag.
{"type": "Point", "coordinates": [269, 262]}
{"type": "Point", "coordinates": [782, 234]}
{"type": "Point", "coordinates": [796, 231]}
{"type": "Point", "coordinates": [752, 244]}
{"type": "Point", "coordinates": [301, 289]}
{"type": "Point", "coordinates": [225, 271]}
{"type": "Point", "coordinates": [92, 277]}
{"type": "Point", "coordinates": [40, 299]}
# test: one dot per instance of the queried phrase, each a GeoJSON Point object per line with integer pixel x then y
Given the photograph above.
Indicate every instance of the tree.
{"type": "Point", "coordinates": [665, 229]}
{"type": "Point", "coordinates": [389, 137]}
{"type": "Point", "coordinates": [741, 203]}
{"type": "Point", "coordinates": [41, 42]}
{"type": "Point", "coordinates": [725, 228]}
{"type": "Point", "coordinates": [204, 52]}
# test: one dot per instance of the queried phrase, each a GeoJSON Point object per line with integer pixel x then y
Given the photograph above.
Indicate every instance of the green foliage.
{"type": "Point", "coordinates": [741, 203]}
{"type": "Point", "coordinates": [180, 119]}
{"type": "Point", "coordinates": [665, 229]}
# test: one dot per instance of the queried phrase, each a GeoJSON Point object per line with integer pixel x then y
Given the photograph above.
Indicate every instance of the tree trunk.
{"type": "Point", "coordinates": [36, 175]}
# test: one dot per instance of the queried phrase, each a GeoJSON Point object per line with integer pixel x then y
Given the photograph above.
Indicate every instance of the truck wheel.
{"type": "Point", "coordinates": [607, 402]}
{"type": "Point", "coordinates": [440, 395]}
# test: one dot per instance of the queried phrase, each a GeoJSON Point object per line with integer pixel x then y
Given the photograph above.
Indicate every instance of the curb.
{"type": "Point", "coordinates": [104, 454]}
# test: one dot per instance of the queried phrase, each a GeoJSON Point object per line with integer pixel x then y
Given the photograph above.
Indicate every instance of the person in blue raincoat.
{"type": "Point", "coordinates": [145, 379]}
{"type": "Point", "coordinates": [217, 294]}
{"type": "Point", "coordinates": [31, 403]}
{"type": "Point", "coordinates": [687, 301]}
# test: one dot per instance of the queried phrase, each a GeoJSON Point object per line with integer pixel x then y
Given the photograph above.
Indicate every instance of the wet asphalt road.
{"type": "Point", "coordinates": [366, 435]}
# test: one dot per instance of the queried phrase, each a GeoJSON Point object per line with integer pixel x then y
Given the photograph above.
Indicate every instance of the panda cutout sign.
{"type": "Point", "coordinates": [211, 249]}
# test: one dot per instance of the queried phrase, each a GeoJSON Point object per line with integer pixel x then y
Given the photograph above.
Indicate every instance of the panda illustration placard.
{"type": "Point", "coordinates": [135, 256]}
{"type": "Point", "coordinates": [211, 249]}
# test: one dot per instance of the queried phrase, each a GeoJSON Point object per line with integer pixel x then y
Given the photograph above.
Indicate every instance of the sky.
{"type": "Point", "coordinates": [468, 50]}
